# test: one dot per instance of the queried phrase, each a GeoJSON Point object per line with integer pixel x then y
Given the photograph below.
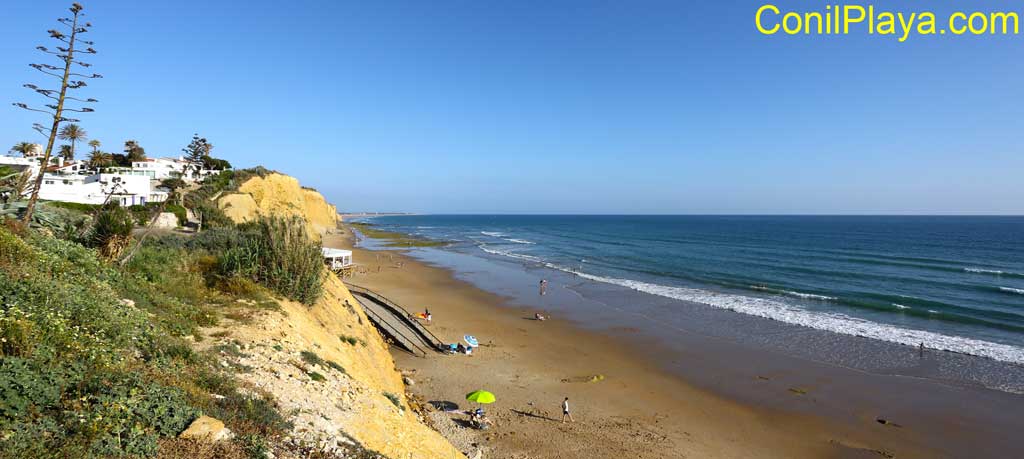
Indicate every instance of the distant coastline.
{"type": "Point", "coordinates": [372, 214]}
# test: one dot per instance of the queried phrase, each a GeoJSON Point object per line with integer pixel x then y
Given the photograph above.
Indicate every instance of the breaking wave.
{"type": "Point", "coordinates": [994, 272]}
{"type": "Point", "coordinates": [806, 296]}
{"type": "Point", "coordinates": [833, 322]}
{"type": "Point", "coordinates": [510, 254]}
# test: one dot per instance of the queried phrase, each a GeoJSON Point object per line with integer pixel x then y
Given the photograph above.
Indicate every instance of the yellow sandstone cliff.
{"type": "Point", "coordinates": [279, 195]}
{"type": "Point", "coordinates": [357, 395]}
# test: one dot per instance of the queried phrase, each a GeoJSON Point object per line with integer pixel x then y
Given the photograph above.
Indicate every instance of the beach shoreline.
{"type": "Point", "coordinates": [698, 403]}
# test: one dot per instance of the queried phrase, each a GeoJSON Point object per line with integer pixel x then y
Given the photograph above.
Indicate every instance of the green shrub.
{"type": "Point", "coordinates": [336, 366]}
{"type": "Point", "coordinates": [395, 400]}
{"type": "Point", "coordinates": [311, 358]}
{"type": "Point", "coordinates": [316, 376]}
{"type": "Point", "coordinates": [78, 207]}
{"type": "Point", "coordinates": [179, 212]}
{"type": "Point", "coordinates": [217, 240]}
{"type": "Point", "coordinates": [278, 254]}
{"type": "Point", "coordinates": [212, 216]}
{"type": "Point", "coordinates": [111, 230]}
{"type": "Point", "coordinates": [253, 414]}
{"type": "Point", "coordinates": [84, 374]}
{"type": "Point", "coordinates": [352, 340]}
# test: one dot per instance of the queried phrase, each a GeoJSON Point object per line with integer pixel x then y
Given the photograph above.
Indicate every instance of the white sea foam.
{"type": "Point", "coordinates": [510, 254]}
{"type": "Point", "coordinates": [1019, 291]}
{"type": "Point", "coordinates": [900, 306]}
{"type": "Point", "coordinates": [983, 270]}
{"type": "Point", "coordinates": [492, 233]}
{"type": "Point", "coordinates": [519, 241]}
{"type": "Point", "coordinates": [829, 321]}
{"type": "Point", "coordinates": [810, 296]}
{"type": "Point", "coordinates": [833, 322]}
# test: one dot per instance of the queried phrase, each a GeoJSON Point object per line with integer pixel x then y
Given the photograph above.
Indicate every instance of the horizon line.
{"type": "Point", "coordinates": [406, 214]}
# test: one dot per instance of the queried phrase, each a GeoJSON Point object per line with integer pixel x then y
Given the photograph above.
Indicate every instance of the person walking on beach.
{"type": "Point", "coordinates": [543, 286]}
{"type": "Point", "coordinates": [565, 411]}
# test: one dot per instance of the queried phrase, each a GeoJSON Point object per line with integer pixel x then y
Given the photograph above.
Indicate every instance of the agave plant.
{"type": "Point", "coordinates": [14, 185]}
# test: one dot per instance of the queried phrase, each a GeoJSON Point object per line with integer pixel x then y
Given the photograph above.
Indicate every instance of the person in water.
{"type": "Point", "coordinates": [543, 286]}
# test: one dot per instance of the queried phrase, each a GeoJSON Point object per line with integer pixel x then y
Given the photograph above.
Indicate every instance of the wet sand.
{"type": "Point", "coordinates": [718, 400]}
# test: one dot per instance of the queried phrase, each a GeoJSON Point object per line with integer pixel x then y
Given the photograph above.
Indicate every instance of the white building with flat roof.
{"type": "Point", "coordinates": [127, 190]}
{"type": "Point", "coordinates": [19, 163]}
{"type": "Point", "coordinates": [161, 168]}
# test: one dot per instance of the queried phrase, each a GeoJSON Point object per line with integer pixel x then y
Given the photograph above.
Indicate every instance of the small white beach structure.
{"type": "Point", "coordinates": [337, 259]}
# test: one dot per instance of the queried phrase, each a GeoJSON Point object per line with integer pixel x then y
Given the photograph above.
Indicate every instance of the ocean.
{"type": "Point", "coordinates": [950, 283]}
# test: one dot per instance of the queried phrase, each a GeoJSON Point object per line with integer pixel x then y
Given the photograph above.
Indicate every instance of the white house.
{"type": "Point", "coordinates": [19, 163]}
{"type": "Point", "coordinates": [128, 190]}
{"type": "Point", "coordinates": [161, 167]}
{"type": "Point", "coordinates": [75, 181]}
{"type": "Point", "coordinates": [70, 167]}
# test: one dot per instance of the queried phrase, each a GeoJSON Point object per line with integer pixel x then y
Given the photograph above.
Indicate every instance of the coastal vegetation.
{"type": "Point", "coordinates": [96, 356]}
{"type": "Point", "coordinates": [277, 253]}
{"type": "Point", "coordinates": [393, 239]}
{"type": "Point", "coordinates": [96, 359]}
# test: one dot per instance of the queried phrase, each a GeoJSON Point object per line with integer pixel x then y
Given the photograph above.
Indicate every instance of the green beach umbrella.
{"type": "Point", "coordinates": [480, 396]}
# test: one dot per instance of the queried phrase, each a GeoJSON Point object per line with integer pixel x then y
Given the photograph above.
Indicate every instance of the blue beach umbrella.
{"type": "Point", "coordinates": [471, 340]}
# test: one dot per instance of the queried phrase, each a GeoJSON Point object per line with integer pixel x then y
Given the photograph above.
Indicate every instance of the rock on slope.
{"type": "Point", "coordinates": [350, 390]}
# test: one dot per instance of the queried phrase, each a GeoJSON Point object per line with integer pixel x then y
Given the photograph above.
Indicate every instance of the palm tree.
{"type": "Point", "coordinates": [134, 151]}
{"type": "Point", "coordinates": [95, 144]}
{"type": "Point", "coordinates": [74, 133]}
{"type": "Point", "coordinates": [67, 152]}
{"type": "Point", "coordinates": [99, 159]}
{"type": "Point", "coordinates": [25, 148]}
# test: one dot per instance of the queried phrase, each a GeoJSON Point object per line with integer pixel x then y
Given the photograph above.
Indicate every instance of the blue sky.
{"type": "Point", "coordinates": [552, 106]}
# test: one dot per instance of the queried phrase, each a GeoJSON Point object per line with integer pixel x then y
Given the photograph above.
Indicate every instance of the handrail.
{"type": "Point", "coordinates": [395, 332]}
{"type": "Point", "coordinates": [427, 334]}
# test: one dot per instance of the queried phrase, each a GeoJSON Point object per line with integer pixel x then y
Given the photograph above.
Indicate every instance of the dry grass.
{"type": "Point", "coordinates": [179, 448]}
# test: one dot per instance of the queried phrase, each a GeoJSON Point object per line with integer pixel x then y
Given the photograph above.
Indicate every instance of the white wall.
{"type": "Point", "coordinates": [162, 167]}
{"type": "Point", "coordinates": [93, 189]}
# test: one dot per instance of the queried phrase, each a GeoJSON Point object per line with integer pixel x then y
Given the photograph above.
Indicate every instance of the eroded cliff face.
{"type": "Point", "coordinates": [351, 391]}
{"type": "Point", "coordinates": [279, 195]}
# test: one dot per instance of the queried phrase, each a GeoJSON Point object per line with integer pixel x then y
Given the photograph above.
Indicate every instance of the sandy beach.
{"type": "Point", "coordinates": [627, 403]}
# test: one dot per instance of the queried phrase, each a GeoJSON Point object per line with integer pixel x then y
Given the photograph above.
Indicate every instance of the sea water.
{"type": "Point", "coordinates": [950, 283]}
